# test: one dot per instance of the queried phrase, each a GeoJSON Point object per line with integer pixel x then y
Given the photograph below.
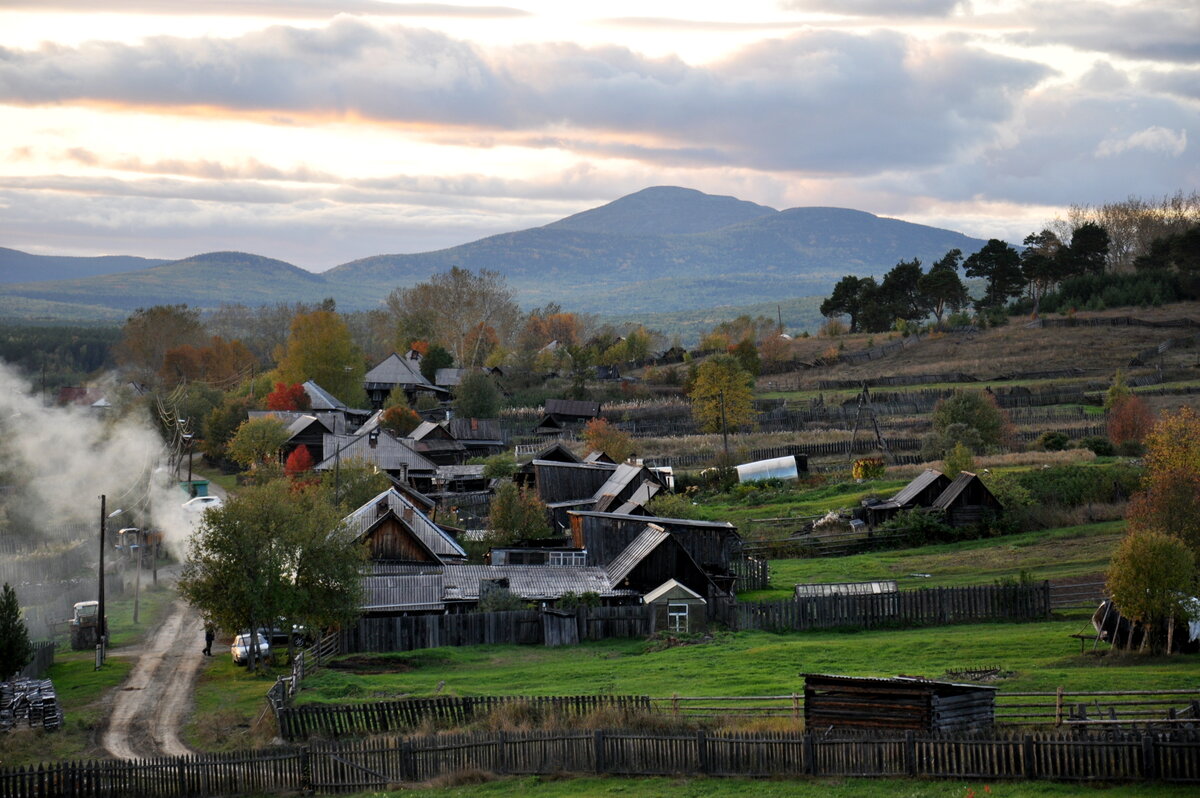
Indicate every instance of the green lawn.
{"type": "Point", "coordinates": [1052, 554]}
{"type": "Point", "coordinates": [1041, 656]}
{"type": "Point", "coordinates": [547, 787]}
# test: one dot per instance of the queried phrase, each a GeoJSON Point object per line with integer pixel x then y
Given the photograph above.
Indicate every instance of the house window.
{"type": "Point", "coordinates": [568, 558]}
{"type": "Point", "coordinates": [677, 617]}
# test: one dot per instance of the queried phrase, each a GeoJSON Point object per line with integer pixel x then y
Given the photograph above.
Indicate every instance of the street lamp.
{"type": "Point", "coordinates": [102, 622]}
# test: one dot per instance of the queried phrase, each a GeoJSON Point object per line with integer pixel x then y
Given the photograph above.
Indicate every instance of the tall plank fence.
{"type": "Point", "coordinates": [335, 767]}
{"type": "Point", "coordinates": [925, 606]}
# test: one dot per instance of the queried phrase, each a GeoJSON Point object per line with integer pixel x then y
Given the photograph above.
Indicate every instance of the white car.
{"type": "Point", "coordinates": [201, 503]}
{"type": "Point", "coordinates": [241, 648]}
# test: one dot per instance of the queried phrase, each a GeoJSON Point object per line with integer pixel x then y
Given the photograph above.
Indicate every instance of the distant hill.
{"type": "Point", "coordinates": [662, 249]}
{"type": "Point", "coordinates": [22, 267]}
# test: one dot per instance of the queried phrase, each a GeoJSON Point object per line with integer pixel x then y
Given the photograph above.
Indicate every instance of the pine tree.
{"type": "Point", "coordinates": [15, 649]}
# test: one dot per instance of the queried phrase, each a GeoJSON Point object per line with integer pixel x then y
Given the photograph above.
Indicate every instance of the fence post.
{"type": "Point", "coordinates": [1028, 762]}
{"type": "Point", "coordinates": [1045, 598]}
{"type": "Point", "coordinates": [910, 753]}
{"type": "Point", "coordinates": [810, 755]}
{"type": "Point", "coordinates": [702, 751]}
{"type": "Point", "coordinates": [1149, 764]}
{"type": "Point", "coordinates": [598, 749]}
{"type": "Point", "coordinates": [1058, 706]}
{"type": "Point", "coordinates": [501, 753]}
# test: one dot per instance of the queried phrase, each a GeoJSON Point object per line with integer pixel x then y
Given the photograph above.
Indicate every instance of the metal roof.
{"type": "Point", "coordinates": [635, 552]}
{"type": "Point", "coordinates": [403, 593]}
{"type": "Point", "coordinates": [397, 370]}
{"type": "Point", "coordinates": [667, 587]}
{"type": "Point", "coordinates": [846, 588]}
{"type": "Point", "coordinates": [476, 429]}
{"type": "Point", "coordinates": [954, 489]}
{"type": "Point", "coordinates": [321, 399]}
{"type": "Point", "coordinates": [433, 536]}
{"type": "Point", "coordinates": [389, 453]}
{"type": "Point", "coordinates": [910, 491]}
{"type": "Point", "coordinates": [532, 582]}
{"type": "Point", "coordinates": [652, 519]}
{"type": "Point", "coordinates": [449, 377]}
{"type": "Point", "coordinates": [572, 407]}
{"type": "Point", "coordinates": [894, 681]}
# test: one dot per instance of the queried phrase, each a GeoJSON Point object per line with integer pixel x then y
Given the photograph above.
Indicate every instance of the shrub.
{"type": "Point", "coordinates": [958, 461]}
{"type": "Point", "coordinates": [1099, 445]}
{"type": "Point", "coordinates": [868, 468]}
{"type": "Point", "coordinates": [1053, 441]}
{"type": "Point", "coordinates": [920, 526]}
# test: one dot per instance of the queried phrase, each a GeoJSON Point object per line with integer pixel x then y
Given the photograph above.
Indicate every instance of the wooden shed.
{"type": "Point", "coordinates": [904, 704]}
{"type": "Point", "coordinates": [677, 608]}
{"type": "Point", "coordinates": [966, 500]}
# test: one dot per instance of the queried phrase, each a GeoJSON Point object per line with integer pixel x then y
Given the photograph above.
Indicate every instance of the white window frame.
{"type": "Point", "coordinates": [677, 616]}
{"type": "Point", "coordinates": [571, 558]}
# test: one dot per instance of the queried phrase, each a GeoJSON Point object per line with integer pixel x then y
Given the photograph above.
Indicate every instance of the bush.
{"type": "Point", "coordinates": [868, 468]}
{"type": "Point", "coordinates": [1053, 441]}
{"type": "Point", "coordinates": [1072, 485]}
{"type": "Point", "coordinates": [1100, 446]}
{"type": "Point", "coordinates": [920, 527]}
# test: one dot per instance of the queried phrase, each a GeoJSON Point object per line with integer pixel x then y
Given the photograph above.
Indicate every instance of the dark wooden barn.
{"type": "Point", "coordinates": [654, 557]}
{"type": "Point", "coordinates": [921, 492]}
{"type": "Point", "coordinates": [966, 500]}
{"type": "Point", "coordinates": [481, 437]}
{"type": "Point", "coordinates": [555, 481]}
{"type": "Point", "coordinates": [903, 704]}
{"type": "Point", "coordinates": [712, 544]}
{"type": "Point", "coordinates": [434, 442]}
{"type": "Point", "coordinates": [561, 414]}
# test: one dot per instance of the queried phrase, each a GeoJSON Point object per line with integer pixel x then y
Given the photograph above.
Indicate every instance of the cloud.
{"type": "Point", "coordinates": [1152, 139]}
{"type": "Point", "coordinates": [1183, 83]}
{"type": "Point", "coordinates": [878, 8]}
{"type": "Point", "coordinates": [1153, 30]}
{"type": "Point", "coordinates": [816, 100]}
{"type": "Point", "coordinates": [282, 9]}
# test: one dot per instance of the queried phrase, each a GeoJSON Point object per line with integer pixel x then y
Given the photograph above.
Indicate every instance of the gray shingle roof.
{"type": "Point", "coordinates": [403, 593]}
{"type": "Point", "coordinates": [910, 491]}
{"type": "Point", "coordinates": [321, 399]}
{"type": "Point", "coordinates": [396, 370]}
{"type": "Point", "coordinates": [434, 537]}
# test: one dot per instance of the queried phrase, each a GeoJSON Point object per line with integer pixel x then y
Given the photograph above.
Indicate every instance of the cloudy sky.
{"type": "Point", "coordinates": [318, 132]}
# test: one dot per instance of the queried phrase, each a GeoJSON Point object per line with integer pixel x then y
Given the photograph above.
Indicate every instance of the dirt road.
{"type": "Point", "coordinates": [151, 706]}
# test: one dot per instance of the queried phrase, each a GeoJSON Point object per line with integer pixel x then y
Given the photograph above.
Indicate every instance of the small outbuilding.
{"type": "Point", "coordinates": [677, 608]}
{"type": "Point", "coordinates": [966, 500]}
{"type": "Point", "coordinates": [904, 703]}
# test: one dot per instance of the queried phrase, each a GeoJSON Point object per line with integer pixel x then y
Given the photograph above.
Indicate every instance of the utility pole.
{"type": "Point", "coordinates": [100, 624]}
{"type": "Point", "coordinates": [724, 430]}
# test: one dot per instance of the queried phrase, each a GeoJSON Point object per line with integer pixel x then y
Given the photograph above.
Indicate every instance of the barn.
{"type": "Point", "coordinates": [903, 703]}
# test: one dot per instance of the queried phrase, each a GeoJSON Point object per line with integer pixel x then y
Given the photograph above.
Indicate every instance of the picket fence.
{"type": "Point", "coordinates": [376, 764]}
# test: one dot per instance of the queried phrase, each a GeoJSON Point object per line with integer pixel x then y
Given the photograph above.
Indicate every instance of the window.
{"type": "Point", "coordinates": [677, 617]}
{"type": "Point", "coordinates": [568, 558]}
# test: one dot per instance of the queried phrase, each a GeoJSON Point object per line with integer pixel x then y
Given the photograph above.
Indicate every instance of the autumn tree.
{"type": "Point", "coordinates": [151, 332]}
{"type": "Point", "coordinates": [1168, 499]}
{"type": "Point", "coordinates": [969, 417]}
{"type": "Point", "coordinates": [516, 514]}
{"type": "Point", "coordinates": [1150, 574]}
{"type": "Point", "coordinates": [299, 462]}
{"type": "Point", "coordinates": [220, 425]}
{"type": "Point", "coordinates": [604, 437]}
{"type": "Point", "coordinates": [1129, 421]}
{"type": "Point", "coordinates": [454, 309]}
{"type": "Point", "coordinates": [400, 420]}
{"type": "Point", "coordinates": [722, 395]}
{"type": "Point", "coordinates": [746, 355]}
{"type": "Point", "coordinates": [257, 441]}
{"type": "Point", "coordinates": [287, 397]}
{"type": "Point", "coordinates": [320, 349]}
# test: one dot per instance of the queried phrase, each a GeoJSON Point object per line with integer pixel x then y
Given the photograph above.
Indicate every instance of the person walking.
{"type": "Point", "coordinates": [209, 635]}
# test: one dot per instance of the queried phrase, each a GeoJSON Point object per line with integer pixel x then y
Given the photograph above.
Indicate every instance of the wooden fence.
{"type": "Point", "coordinates": [43, 658]}
{"type": "Point", "coordinates": [1079, 594]}
{"type": "Point", "coordinates": [925, 606]}
{"type": "Point", "coordinates": [753, 573]}
{"type": "Point", "coordinates": [413, 632]}
{"type": "Point", "coordinates": [323, 720]}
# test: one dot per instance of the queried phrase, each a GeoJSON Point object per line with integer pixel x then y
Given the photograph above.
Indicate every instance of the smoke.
{"type": "Point", "coordinates": [56, 462]}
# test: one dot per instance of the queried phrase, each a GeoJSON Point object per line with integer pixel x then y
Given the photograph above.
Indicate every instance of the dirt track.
{"type": "Point", "coordinates": [150, 707]}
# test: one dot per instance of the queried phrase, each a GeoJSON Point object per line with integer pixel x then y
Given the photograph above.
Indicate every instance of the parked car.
{"type": "Point", "coordinates": [201, 503]}
{"type": "Point", "coordinates": [241, 648]}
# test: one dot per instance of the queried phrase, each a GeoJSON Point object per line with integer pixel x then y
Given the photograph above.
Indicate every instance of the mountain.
{"type": "Point", "coordinates": [202, 280]}
{"type": "Point", "coordinates": [22, 267]}
{"type": "Point", "coordinates": [657, 250]}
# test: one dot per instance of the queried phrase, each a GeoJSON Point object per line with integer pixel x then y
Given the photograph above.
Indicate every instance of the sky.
{"type": "Point", "coordinates": [318, 132]}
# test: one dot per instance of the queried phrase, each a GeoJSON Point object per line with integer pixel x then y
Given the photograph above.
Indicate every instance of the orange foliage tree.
{"type": "Point", "coordinates": [400, 420]}
{"type": "Point", "coordinates": [1168, 501]}
{"type": "Point", "coordinates": [1129, 420]}
{"type": "Point", "coordinates": [300, 461]}
{"type": "Point", "coordinates": [604, 437]}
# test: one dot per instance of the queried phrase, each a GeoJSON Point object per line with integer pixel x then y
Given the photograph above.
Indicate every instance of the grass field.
{"type": "Point", "coordinates": [1054, 554]}
{"type": "Point", "coordinates": [547, 787]}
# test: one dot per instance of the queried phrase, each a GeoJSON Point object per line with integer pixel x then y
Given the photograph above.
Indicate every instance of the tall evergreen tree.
{"type": "Point", "coordinates": [15, 648]}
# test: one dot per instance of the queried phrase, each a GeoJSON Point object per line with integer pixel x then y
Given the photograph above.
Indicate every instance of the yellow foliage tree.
{"type": "Point", "coordinates": [1150, 574]}
{"type": "Point", "coordinates": [1168, 501]}
{"type": "Point", "coordinates": [722, 396]}
{"type": "Point", "coordinates": [320, 349]}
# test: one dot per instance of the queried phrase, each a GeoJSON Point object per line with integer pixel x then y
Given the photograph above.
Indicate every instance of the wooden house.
{"type": "Point", "coordinates": [901, 704]}
{"type": "Point", "coordinates": [560, 414]}
{"type": "Point", "coordinates": [384, 451]}
{"type": "Point", "coordinates": [966, 500]}
{"type": "Point", "coordinates": [557, 481]}
{"type": "Point", "coordinates": [395, 371]}
{"type": "Point", "coordinates": [921, 492]}
{"type": "Point", "coordinates": [481, 437]}
{"type": "Point", "coordinates": [397, 532]}
{"type": "Point", "coordinates": [434, 442]}
{"type": "Point", "coordinates": [306, 430]}
{"type": "Point", "coordinates": [597, 456]}
{"type": "Point", "coordinates": [652, 558]}
{"type": "Point", "coordinates": [677, 609]}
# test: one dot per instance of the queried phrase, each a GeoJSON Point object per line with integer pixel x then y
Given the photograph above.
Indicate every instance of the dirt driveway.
{"type": "Point", "coordinates": [151, 706]}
